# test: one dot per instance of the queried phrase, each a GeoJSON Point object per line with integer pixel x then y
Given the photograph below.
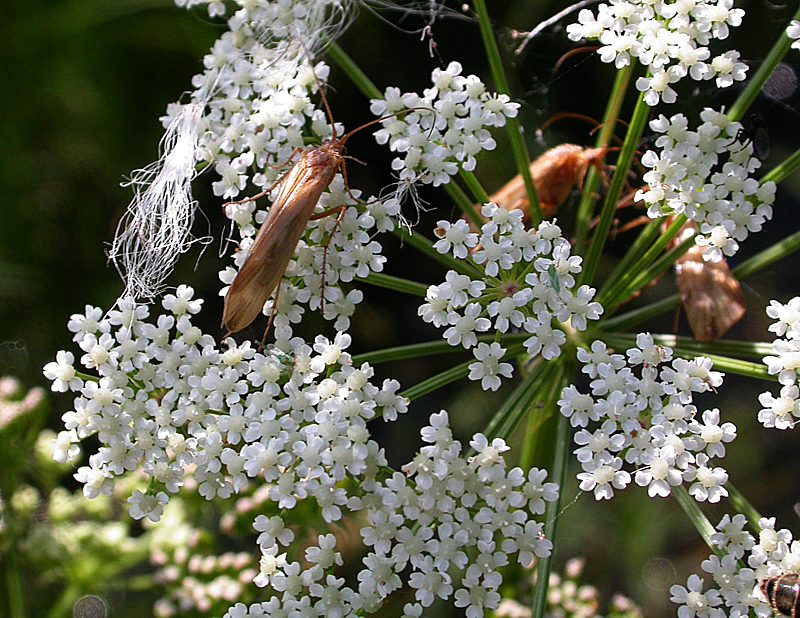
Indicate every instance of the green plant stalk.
{"type": "Point", "coordinates": [768, 256]}
{"type": "Point", "coordinates": [559, 469]}
{"type": "Point", "coordinates": [640, 314]}
{"type": "Point", "coordinates": [390, 282]}
{"type": "Point", "coordinates": [592, 182]}
{"type": "Point", "coordinates": [780, 172]}
{"type": "Point", "coordinates": [741, 504]}
{"type": "Point", "coordinates": [723, 363]}
{"type": "Point", "coordinates": [476, 188]}
{"type": "Point", "coordinates": [16, 602]}
{"type": "Point", "coordinates": [424, 245]}
{"type": "Point", "coordinates": [519, 403]}
{"type": "Point", "coordinates": [616, 288]}
{"type": "Point", "coordinates": [460, 197]}
{"type": "Point", "coordinates": [65, 601]}
{"type": "Point", "coordinates": [447, 377]}
{"type": "Point", "coordinates": [432, 348]}
{"type": "Point", "coordinates": [758, 262]}
{"type": "Point", "coordinates": [354, 72]}
{"type": "Point", "coordinates": [638, 122]}
{"type": "Point", "coordinates": [518, 148]}
{"type": "Point", "coordinates": [746, 349]}
{"type": "Point", "coordinates": [651, 273]}
{"type": "Point", "coordinates": [695, 515]}
{"type": "Point", "coordinates": [532, 446]}
{"type": "Point", "coordinates": [754, 85]}
{"type": "Point", "coordinates": [643, 241]}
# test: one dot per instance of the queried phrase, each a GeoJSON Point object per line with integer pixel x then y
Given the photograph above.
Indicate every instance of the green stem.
{"type": "Point", "coordinates": [641, 314]}
{"type": "Point", "coordinates": [64, 603]}
{"type": "Point", "coordinates": [744, 507]}
{"type": "Point", "coordinates": [755, 84]}
{"type": "Point", "coordinates": [746, 349]}
{"type": "Point", "coordinates": [635, 130]}
{"type": "Point", "coordinates": [613, 294]}
{"type": "Point", "coordinates": [695, 515]}
{"type": "Point", "coordinates": [643, 241]}
{"type": "Point", "coordinates": [723, 363]}
{"type": "Point", "coordinates": [16, 602]}
{"type": "Point", "coordinates": [475, 187]}
{"type": "Point", "coordinates": [778, 173]}
{"type": "Point", "coordinates": [518, 148]}
{"type": "Point", "coordinates": [768, 256]}
{"type": "Point", "coordinates": [431, 348]}
{"type": "Point", "coordinates": [559, 469]}
{"type": "Point", "coordinates": [390, 282]}
{"type": "Point", "coordinates": [758, 262]}
{"type": "Point", "coordinates": [424, 245]}
{"type": "Point", "coordinates": [354, 72]}
{"type": "Point", "coordinates": [449, 376]}
{"type": "Point", "coordinates": [466, 205]}
{"type": "Point", "coordinates": [519, 403]}
{"type": "Point", "coordinates": [650, 274]}
{"type": "Point", "coordinates": [590, 186]}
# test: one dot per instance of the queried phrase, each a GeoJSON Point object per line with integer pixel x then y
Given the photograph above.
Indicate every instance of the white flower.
{"type": "Point", "coordinates": [693, 601]}
{"type": "Point", "coordinates": [707, 174]}
{"type": "Point", "coordinates": [146, 505]}
{"type": "Point", "coordinates": [513, 294]}
{"type": "Point", "coordinates": [444, 129]}
{"type": "Point", "coordinates": [489, 368]}
{"type": "Point", "coordinates": [670, 38]}
{"type": "Point", "coordinates": [454, 237]}
{"type": "Point", "coordinates": [62, 373]}
{"type": "Point", "coordinates": [793, 32]}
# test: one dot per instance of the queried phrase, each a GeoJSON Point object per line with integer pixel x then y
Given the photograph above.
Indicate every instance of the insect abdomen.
{"type": "Point", "coordinates": [783, 593]}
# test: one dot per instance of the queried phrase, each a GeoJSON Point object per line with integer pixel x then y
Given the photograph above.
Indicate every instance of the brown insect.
{"type": "Point", "coordinates": [555, 173]}
{"type": "Point", "coordinates": [299, 191]}
{"type": "Point", "coordinates": [711, 296]}
{"type": "Point", "coordinates": [783, 593]}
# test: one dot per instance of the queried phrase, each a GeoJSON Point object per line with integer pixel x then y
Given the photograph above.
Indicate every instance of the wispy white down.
{"type": "Point", "coordinates": [156, 228]}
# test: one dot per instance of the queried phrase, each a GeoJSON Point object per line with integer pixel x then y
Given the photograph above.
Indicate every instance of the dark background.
{"type": "Point", "coordinates": [84, 82]}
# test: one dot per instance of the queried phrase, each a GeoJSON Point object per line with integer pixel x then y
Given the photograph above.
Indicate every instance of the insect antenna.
{"type": "Point", "coordinates": [349, 134]}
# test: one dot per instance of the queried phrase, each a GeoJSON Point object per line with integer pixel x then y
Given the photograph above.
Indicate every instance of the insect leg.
{"type": "Point", "coordinates": [327, 213]}
{"type": "Point", "coordinates": [271, 319]}
{"type": "Point", "coordinates": [267, 191]}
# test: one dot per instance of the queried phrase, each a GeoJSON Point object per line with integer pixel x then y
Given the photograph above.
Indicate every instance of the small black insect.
{"type": "Point", "coordinates": [783, 593]}
{"type": "Point", "coordinates": [755, 132]}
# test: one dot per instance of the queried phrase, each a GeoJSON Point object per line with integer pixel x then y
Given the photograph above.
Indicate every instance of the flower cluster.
{"type": "Point", "coordinates": [447, 525]}
{"type": "Point", "coordinates": [168, 401]}
{"type": "Point", "coordinates": [670, 38]}
{"type": "Point", "coordinates": [739, 589]}
{"type": "Point", "coordinates": [193, 579]}
{"type": "Point", "coordinates": [250, 107]}
{"type": "Point", "coordinates": [332, 251]}
{"type": "Point", "coordinates": [526, 283]}
{"type": "Point", "coordinates": [15, 401]}
{"type": "Point", "coordinates": [793, 32]}
{"type": "Point", "coordinates": [782, 412]}
{"type": "Point", "coordinates": [707, 175]}
{"type": "Point", "coordinates": [443, 130]}
{"type": "Point", "coordinates": [646, 419]}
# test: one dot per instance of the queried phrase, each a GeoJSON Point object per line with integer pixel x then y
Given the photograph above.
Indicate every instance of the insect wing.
{"type": "Point", "coordinates": [274, 245]}
{"type": "Point", "coordinates": [710, 294]}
